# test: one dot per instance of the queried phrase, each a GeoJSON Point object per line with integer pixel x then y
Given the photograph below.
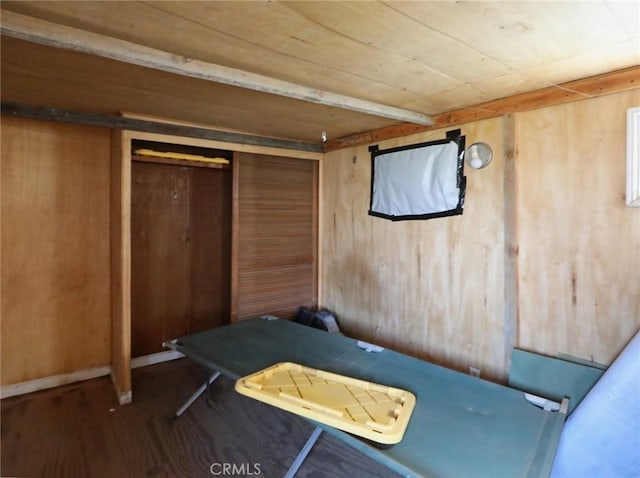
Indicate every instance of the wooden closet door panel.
{"type": "Point", "coordinates": [160, 203]}
{"type": "Point", "coordinates": [277, 217]}
{"type": "Point", "coordinates": [210, 245]}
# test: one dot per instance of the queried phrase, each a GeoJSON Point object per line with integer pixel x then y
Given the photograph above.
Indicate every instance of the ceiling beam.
{"type": "Point", "coordinates": [55, 35]}
{"type": "Point", "coordinates": [591, 87]}
{"type": "Point", "coordinates": [173, 129]}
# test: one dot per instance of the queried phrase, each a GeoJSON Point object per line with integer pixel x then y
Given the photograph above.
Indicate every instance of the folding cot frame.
{"type": "Point", "coordinates": [302, 454]}
{"type": "Point", "coordinates": [461, 426]}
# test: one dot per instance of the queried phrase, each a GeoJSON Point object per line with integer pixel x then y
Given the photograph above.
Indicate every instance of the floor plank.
{"type": "Point", "coordinates": [79, 430]}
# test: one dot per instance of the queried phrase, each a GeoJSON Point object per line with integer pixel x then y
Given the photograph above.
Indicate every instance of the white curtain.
{"type": "Point", "coordinates": [416, 182]}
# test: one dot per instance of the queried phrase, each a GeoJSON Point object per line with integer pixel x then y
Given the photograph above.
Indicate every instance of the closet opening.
{"type": "Point", "coordinates": [181, 202]}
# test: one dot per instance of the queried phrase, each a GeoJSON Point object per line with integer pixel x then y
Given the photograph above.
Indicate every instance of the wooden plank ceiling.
{"type": "Point", "coordinates": [427, 57]}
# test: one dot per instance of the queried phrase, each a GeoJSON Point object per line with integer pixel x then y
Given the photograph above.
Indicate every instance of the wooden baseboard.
{"type": "Point", "coordinates": [126, 396]}
{"type": "Point", "coordinates": [151, 359]}
{"type": "Point", "coordinates": [29, 386]}
{"type": "Point", "coordinates": [44, 383]}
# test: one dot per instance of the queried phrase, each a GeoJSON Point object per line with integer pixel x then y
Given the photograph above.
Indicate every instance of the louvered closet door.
{"type": "Point", "coordinates": [276, 255]}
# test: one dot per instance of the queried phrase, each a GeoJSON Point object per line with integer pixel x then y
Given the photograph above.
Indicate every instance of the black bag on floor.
{"type": "Point", "coordinates": [322, 319]}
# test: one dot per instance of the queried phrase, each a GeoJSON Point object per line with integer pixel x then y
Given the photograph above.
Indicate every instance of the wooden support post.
{"type": "Point", "coordinates": [121, 266]}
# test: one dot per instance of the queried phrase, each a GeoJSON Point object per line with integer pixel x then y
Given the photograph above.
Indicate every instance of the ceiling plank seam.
{"type": "Point", "coordinates": [26, 28]}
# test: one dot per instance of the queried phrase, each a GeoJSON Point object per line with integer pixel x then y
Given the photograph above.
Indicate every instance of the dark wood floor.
{"type": "Point", "coordinates": [79, 430]}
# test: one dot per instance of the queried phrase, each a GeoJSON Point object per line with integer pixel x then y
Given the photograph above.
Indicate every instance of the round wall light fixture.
{"type": "Point", "coordinates": [478, 155]}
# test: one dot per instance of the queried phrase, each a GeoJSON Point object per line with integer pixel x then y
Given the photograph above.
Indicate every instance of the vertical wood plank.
{"type": "Point", "coordinates": [320, 238]}
{"type": "Point", "coordinates": [210, 248]}
{"type": "Point", "coordinates": [160, 253]}
{"type": "Point", "coordinates": [510, 238]}
{"type": "Point", "coordinates": [315, 230]}
{"type": "Point", "coordinates": [236, 163]}
{"type": "Point", "coordinates": [121, 265]}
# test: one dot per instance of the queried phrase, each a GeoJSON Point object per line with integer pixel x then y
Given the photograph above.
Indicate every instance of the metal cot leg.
{"type": "Point", "coordinates": [196, 394]}
{"type": "Point", "coordinates": [293, 469]}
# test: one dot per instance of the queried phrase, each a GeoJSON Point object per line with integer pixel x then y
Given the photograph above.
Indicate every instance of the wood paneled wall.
{"type": "Point", "coordinates": [276, 257]}
{"type": "Point", "coordinates": [436, 289]}
{"type": "Point", "coordinates": [430, 288]}
{"type": "Point", "coordinates": [55, 249]}
{"type": "Point", "coordinates": [579, 265]}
